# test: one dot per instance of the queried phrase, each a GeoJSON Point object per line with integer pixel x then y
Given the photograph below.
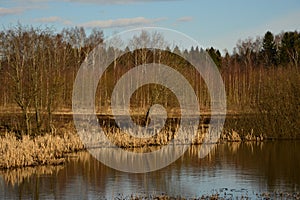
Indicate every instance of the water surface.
{"type": "Point", "coordinates": [231, 169]}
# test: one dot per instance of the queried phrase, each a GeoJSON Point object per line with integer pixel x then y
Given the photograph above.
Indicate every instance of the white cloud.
{"type": "Point", "coordinates": [184, 19]}
{"type": "Point", "coordinates": [123, 22]}
{"type": "Point", "coordinates": [53, 19]}
{"type": "Point", "coordinates": [20, 9]}
{"type": "Point", "coordinates": [11, 11]}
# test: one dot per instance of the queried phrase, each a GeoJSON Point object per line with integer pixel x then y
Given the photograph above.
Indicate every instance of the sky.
{"type": "Point", "coordinates": [219, 24]}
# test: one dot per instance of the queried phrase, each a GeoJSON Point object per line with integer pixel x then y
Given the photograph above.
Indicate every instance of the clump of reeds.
{"type": "Point", "coordinates": [126, 139]}
{"type": "Point", "coordinates": [235, 136]}
{"type": "Point", "coordinates": [41, 150]}
{"type": "Point", "coordinates": [51, 148]}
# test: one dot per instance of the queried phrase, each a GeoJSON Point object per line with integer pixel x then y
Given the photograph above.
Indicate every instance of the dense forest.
{"type": "Point", "coordinates": [38, 67]}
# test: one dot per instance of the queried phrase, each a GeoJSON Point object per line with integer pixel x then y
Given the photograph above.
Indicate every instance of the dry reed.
{"type": "Point", "coordinates": [41, 150]}
{"type": "Point", "coordinates": [51, 148]}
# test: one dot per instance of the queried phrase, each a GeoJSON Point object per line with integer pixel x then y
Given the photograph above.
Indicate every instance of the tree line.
{"type": "Point", "coordinates": [39, 65]}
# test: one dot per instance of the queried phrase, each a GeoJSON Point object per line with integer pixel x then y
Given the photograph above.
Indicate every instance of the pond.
{"type": "Point", "coordinates": [230, 170]}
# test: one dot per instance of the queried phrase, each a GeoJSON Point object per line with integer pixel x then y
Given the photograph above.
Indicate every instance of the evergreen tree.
{"type": "Point", "coordinates": [269, 50]}
{"type": "Point", "coordinates": [290, 48]}
{"type": "Point", "coordinates": [215, 56]}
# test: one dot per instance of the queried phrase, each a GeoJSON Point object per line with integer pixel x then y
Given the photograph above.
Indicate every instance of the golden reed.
{"type": "Point", "coordinates": [50, 149]}
{"type": "Point", "coordinates": [41, 150]}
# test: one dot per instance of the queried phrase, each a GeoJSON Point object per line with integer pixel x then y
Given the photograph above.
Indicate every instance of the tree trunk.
{"type": "Point", "coordinates": [27, 121]}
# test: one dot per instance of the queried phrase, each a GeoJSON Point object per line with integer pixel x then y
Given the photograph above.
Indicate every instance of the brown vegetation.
{"type": "Point", "coordinates": [40, 150]}
{"type": "Point", "coordinates": [38, 68]}
{"type": "Point", "coordinates": [50, 149]}
{"type": "Point", "coordinates": [273, 105]}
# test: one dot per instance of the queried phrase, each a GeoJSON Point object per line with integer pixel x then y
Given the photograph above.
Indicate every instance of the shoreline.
{"type": "Point", "coordinates": [52, 149]}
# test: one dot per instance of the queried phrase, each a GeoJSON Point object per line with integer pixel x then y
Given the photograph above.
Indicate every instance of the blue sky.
{"type": "Point", "coordinates": [212, 23]}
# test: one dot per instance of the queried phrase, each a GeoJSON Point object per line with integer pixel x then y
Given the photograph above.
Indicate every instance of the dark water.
{"type": "Point", "coordinates": [234, 169]}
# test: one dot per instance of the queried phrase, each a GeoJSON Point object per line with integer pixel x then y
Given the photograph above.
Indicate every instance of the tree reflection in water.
{"type": "Point", "coordinates": [242, 168]}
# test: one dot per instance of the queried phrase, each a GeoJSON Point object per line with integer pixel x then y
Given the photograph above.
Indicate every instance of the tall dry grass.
{"type": "Point", "coordinates": [51, 148]}
{"type": "Point", "coordinates": [41, 150]}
